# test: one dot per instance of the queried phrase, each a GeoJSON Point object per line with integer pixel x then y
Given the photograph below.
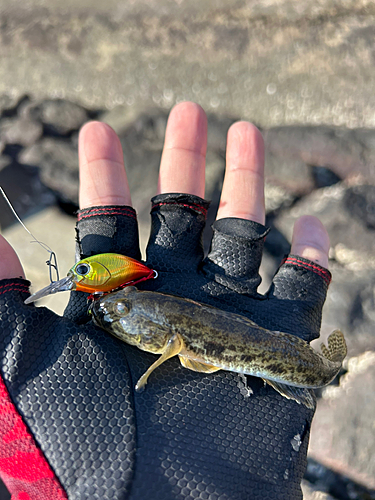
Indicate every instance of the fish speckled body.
{"type": "Point", "coordinates": [207, 339]}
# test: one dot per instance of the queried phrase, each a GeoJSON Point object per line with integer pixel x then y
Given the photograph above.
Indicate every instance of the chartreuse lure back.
{"type": "Point", "coordinates": [98, 274]}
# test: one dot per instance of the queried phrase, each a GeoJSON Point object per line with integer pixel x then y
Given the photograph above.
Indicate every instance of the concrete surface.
{"type": "Point", "coordinates": [275, 62]}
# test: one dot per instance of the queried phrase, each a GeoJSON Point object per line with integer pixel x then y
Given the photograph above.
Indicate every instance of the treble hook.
{"type": "Point", "coordinates": [52, 263]}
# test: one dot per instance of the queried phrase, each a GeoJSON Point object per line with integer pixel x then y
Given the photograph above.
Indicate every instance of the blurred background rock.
{"type": "Point", "coordinates": [301, 70]}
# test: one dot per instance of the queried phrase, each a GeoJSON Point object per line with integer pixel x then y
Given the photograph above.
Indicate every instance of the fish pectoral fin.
{"type": "Point", "coordinates": [174, 346]}
{"type": "Point", "coordinates": [197, 366]}
{"type": "Point", "coordinates": [298, 394]}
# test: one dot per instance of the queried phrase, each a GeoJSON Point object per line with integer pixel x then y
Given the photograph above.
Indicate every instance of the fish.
{"type": "Point", "coordinates": [98, 274]}
{"type": "Point", "coordinates": [207, 339]}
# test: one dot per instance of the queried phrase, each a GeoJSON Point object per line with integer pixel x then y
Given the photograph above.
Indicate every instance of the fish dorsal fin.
{"type": "Point", "coordinates": [298, 394]}
{"type": "Point", "coordinates": [197, 366]}
{"type": "Point", "coordinates": [336, 350]}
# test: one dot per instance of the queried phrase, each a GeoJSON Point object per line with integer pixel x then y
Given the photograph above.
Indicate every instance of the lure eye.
{"type": "Point", "coordinates": [82, 269]}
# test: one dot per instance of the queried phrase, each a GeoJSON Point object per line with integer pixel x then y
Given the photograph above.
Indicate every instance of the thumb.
{"type": "Point", "coordinates": [10, 265]}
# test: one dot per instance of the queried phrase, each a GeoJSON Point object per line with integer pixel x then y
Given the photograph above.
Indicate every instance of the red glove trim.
{"type": "Point", "coordinates": [23, 468]}
{"type": "Point", "coordinates": [11, 287]}
{"type": "Point", "coordinates": [95, 211]}
{"type": "Point", "coordinates": [193, 206]}
{"type": "Point", "coordinates": [310, 266]}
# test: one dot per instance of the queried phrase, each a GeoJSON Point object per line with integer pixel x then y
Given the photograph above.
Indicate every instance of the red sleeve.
{"type": "Point", "coordinates": [23, 467]}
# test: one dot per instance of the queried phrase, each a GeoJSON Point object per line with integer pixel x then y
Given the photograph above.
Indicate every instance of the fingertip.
{"type": "Point", "coordinates": [98, 141]}
{"type": "Point", "coordinates": [310, 240]}
{"type": "Point", "coordinates": [242, 195]}
{"type": "Point", "coordinates": [102, 174]}
{"type": "Point", "coordinates": [184, 113]}
{"type": "Point", "coordinates": [182, 167]}
{"type": "Point", "coordinates": [10, 265]}
{"type": "Point", "coordinates": [187, 128]}
{"type": "Point", "coordinates": [244, 138]}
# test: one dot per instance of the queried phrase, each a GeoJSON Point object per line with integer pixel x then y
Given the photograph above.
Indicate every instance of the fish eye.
{"type": "Point", "coordinates": [121, 308]}
{"type": "Point", "coordinates": [82, 269]}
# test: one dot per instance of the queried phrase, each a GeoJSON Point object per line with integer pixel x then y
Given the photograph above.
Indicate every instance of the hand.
{"type": "Point", "coordinates": [188, 435]}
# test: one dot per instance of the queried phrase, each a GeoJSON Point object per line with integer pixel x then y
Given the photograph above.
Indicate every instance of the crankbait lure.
{"type": "Point", "coordinates": [98, 274]}
{"type": "Point", "coordinates": [207, 339]}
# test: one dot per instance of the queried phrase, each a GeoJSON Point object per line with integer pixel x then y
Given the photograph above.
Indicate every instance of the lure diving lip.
{"type": "Point", "coordinates": [56, 286]}
{"type": "Point", "coordinates": [98, 274]}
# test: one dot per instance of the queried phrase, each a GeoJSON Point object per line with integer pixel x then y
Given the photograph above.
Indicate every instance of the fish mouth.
{"type": "Point", "coordinates": [97, 314]}
{"type": "Point", "coordinates": [92, 310]}
{"type": "Point", "coordinates": [62, 285]}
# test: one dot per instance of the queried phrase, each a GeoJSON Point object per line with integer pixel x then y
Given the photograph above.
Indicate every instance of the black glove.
{"type": "Point", "coordinates": [188, 435]}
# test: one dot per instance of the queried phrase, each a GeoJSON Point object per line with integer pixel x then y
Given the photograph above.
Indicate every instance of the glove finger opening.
{"type": "Point", "coordinates": [236, 253]}
{"type": "Point", "coordinates": [177, 223]}
{"type": "Point", "coordinates": [106, 229]}
{"type": "Point", "coordinates": [102, 229]}
{"type": "Point", "coordinates": [297, 295]}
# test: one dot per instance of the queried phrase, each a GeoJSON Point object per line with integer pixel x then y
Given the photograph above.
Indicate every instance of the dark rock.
{"type": "Point", "coordinates": [322, 482]}
{"type": "Point", "coordinates": [350, 306]}
{"type": "Point", "coordinates": [57, 160]}
{"type": "Point", "coordinates": [360, 201]}
{"type": "Point", "coordinates": [60, 117]}
{"type": "Point", "coordinates": [5, 161]}
{"type": "Point", "coordinates": [142, 143]}
{"type": "Point", "coordinates": [21, 131]}
{"type": "Point", "coordinates": [12, 151]}
{"type": "Point", "coordinates": [324, 177]}
{"type": "Point", "coordinates": [25, 191]}
{"type": "Point", "coordinates": [352, 241]}
{"type": "Point", "coordinates": [291, 174]}
{"type": "Point", "coordinates": [9, 104]}
{"type": "Point", "coordinates": [275, 243]}
{"type": "Point", "coordinates": [342, 433]}
{"type": "Point", "coordinates": [345, 152]}
{"type": "Point", "coordinates": [122, 117]}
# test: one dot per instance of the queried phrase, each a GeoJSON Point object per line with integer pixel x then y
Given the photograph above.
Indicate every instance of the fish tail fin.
{"type": "Point", "coordinates": [336, 350]}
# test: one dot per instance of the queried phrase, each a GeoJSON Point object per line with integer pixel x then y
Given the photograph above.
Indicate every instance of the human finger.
{"type": "Point", "coordinates": [182, 167]}
{"type": "Point", "coordinates": [301, 283]}
{"type": "Point", "coordinates": [310, 240]}
{"type": "Point", "coordinates": [10, 265]}
{"type": "Point", "coordinates": [103, 179]}
{"type": "Point", "coordinates": [106, 221]}
{"type": "Point", "coordinates": [242, 195]}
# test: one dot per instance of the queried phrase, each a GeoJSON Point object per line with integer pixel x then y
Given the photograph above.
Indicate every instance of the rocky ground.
{"type": "Point", "coordinates": [301, 70]}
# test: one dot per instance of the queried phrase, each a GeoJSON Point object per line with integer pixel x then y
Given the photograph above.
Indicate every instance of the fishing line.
{"type": "Point", "coordinates": [52, 261]}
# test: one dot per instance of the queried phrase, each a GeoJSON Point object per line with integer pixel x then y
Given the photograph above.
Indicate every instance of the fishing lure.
{"type": "Point", "coordinates": [98, 274]}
